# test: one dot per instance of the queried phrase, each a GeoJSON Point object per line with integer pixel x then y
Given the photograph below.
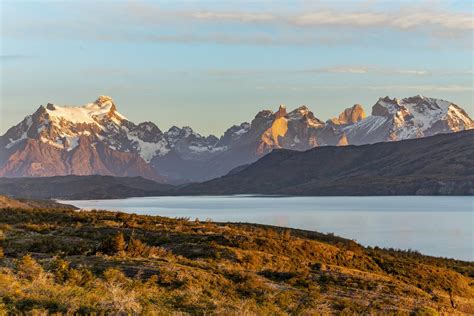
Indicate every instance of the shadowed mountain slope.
{"type": "Point", "coordinates": [81, 187]}
{"type": "Point", "coordinates": [442, 164]}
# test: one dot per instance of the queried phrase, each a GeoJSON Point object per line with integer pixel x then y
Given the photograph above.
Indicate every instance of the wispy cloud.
{"type": "Point", "coordinates": [341, 69]}
{"type": "Point", "coordinates": [231, 16]}
{"type": "Point", "coordinates": [403, 17]}
{"type": "Point", "coordinates": [323, 27]}
{"type": "Point", "coordinates": [437, 88]}
{"type": "Point", "coordinates": [402, 20]}
{"type": "Point", "coordinates": [345, 69]}
{"type": "Point", "coordinates": [412, 72]}
{"type": "Point", "coordinates": [7, 57]}
{"type": "Point", "coordinates": [381, 88]}
{"type": "Point", "coordinates": [272, 25]}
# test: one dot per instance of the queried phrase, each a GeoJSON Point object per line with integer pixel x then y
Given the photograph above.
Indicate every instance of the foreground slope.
{"type": "Point", "coordinates": [442, 164]}
{"type": "Point", "coordinates": [114, 263]}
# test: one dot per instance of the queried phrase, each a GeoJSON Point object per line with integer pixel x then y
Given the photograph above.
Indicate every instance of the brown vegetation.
{"type": "Point", "coordinates": [69, 261]}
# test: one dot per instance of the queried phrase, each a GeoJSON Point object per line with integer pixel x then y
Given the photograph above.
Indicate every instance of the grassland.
{"type": "Point", "coordinates": [67, 261]}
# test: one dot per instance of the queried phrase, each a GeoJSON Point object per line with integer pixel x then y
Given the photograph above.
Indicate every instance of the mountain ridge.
{"type": "Point", "coordinates": [73, 187]}
{"type": "Point", "coordinates": [92, 138]}
{"type": "Point", "coordinates": [436, 165]}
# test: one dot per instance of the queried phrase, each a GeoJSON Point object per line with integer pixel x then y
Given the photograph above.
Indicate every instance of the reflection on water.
{"type": "Point", "coordinates": [439, 226]}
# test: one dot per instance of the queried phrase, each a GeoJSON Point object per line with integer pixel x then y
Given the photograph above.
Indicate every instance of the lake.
{"type": "Point", "coordinates": [436, 225]}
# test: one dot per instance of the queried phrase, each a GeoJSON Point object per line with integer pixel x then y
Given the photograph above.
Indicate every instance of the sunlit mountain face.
{"type": "Point", "coordinates": [97, 139]}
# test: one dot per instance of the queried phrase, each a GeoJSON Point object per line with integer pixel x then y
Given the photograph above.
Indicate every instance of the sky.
{"type": "Point", "coordinates": [212, 64]}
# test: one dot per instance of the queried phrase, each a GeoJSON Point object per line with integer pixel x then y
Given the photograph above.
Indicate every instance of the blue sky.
{"type": "Point", "coordinates": [213, 64]}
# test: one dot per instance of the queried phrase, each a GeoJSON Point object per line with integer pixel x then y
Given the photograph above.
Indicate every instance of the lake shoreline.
{"type": "Point", "coordinates": [437, 226]}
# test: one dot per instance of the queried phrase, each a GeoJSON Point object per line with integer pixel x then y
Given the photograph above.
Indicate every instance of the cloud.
{"type": "Point", "coordinates": [7, 57]}
{"type": "Point", "coordinates": [318, 24]}
{"type": "Point", "coordinates": [340, 69]}
{"type": "Point", "coordinates": [222, 38]}
{"type": "Point", "coordinates": [412, 72]}
{"type": "Point", "coordinates": [323, 27]}
{"type": "Point", "coordinates": [346, 70]}
{"type": "Point", "coordinates": [233, 16]}
{"type": "Point", "coordinates": [438, 88]}
{"type": "Point", "coordinates": [382, 88]}
{"type": "Point", "coordinates": [405, 17]}
{"type": "Point", "coordinates": [401, 20]}
{"type": "Point", "coordinates": [402, 17]}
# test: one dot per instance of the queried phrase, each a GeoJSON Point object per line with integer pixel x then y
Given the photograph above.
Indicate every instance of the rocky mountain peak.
{"type": "Point", "coordinates": [385, 107]}
{"type": "Point", "coordinates": [307, 117]}
{"type": "Point", "coordinates": [104, 100]}
{"type": "Point", "coordinates": [149, 127]}
{"type": "Point", "coordinates": [264, 114]}
{"type": "Point", "coordinates": [350, 115]}
{"type": "Point", "coordinates": [281, 111]}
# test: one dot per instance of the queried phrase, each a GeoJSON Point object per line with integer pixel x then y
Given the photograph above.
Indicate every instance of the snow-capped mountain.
{"type": "Point", "coordinates": [414, 117]}
{"type": "Point", "coordinates": [91, 139]}
{"type": "Point", "coordinates": [62, 130]}
{"type": "Point", "coordinates": [97, 139]}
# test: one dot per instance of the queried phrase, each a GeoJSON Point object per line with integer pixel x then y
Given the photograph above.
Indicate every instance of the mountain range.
{"type": "Point", "coordinates": [97, 139]}
{"type": "Point", "coordinates": [436, 165]}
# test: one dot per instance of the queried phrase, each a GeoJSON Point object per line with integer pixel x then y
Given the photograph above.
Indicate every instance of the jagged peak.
{"type": "Point", "coordinates": [264, 114]}
{"type": "Point", "coordinates": [175, 131]}
{"type": "Point", "coordinates": [281, 111]}
{"type": "Point", "coordinates": [350, 115]}
{"type": "Point", "coordinates": [303, 110]}
{"type": "Point", "coordinates": [149, 127]}
{"type": "Point", "coordinates": [103, 99]}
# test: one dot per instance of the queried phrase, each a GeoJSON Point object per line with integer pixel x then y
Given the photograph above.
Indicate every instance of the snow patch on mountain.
{"type": "Point", "coordinates": [14, 142]}
{"type": "Point", "coordinates": [368, 125]}
{"type": "Point", "coordinates": [148, 150]}
{"type": "Point", "coordinates": [244, 128]}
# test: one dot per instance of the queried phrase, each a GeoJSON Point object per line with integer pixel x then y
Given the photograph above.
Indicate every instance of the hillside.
{"type": "Point", "coordinates": [63, 261]}
{"type": "Point", "coordinates": [81, 187]}
{"type": "Point", "coordinates": [8, 202]}
{"type": "Point", "coordinates": [442, 164]}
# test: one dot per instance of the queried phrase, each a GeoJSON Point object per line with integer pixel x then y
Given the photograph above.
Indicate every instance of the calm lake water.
{"type": "Point", "coordinates": [438, 226]}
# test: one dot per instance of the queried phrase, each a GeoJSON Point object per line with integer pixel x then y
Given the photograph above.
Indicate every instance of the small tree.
{"type": "Point", "coordinates": [60, 269]}
{"type": "Point", "coordinates": [136, 248]}
{"type": "Point", "coordinates": [119, 244]}
{"type": "Point", "coordinates": [28, 268]}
